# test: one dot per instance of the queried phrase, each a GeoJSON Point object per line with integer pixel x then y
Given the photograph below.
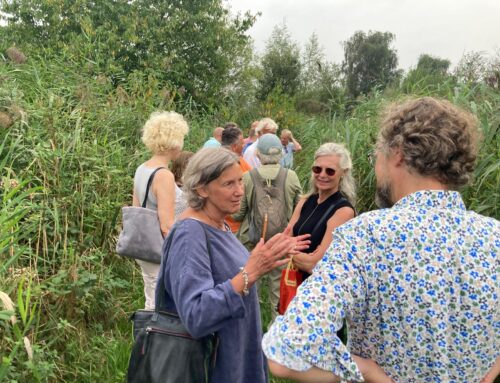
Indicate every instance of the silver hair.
{"type": "Point", "coordinates": [347, 185]}
{"type": "Point", "coordinates": [204, 167]}
{"type": "Point", "coordinates": [269, 159]}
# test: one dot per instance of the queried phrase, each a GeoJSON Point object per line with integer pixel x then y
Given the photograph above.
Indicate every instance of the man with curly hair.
{"type": "Point", "coordinates": [417, 281]}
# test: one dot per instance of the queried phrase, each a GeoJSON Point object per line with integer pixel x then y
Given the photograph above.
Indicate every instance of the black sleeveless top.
{"type": "Point", "coordinates": [312, 213]}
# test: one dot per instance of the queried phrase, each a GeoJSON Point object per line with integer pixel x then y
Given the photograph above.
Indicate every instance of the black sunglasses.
{"type": "Point", "coordinates": [318, 169]}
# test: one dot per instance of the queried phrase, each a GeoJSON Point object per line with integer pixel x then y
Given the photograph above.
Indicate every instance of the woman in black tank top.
{"type": "Point", "coordinates": [328, 205]}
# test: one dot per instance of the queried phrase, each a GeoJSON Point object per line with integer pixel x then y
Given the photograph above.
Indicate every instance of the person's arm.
{"type": "Point", "coordinates": [267, 256]}
{"type": "Point", "coordinates": [307, 262]}
{"type": "Point", "coordinates": [295, 216]}
{"type": "Point", "coordinates": [493, 373]}
{"type": "Point", "coordinates": [240, 216]}
{"type": "Point", "coordinates": [296, 146]}
{"type": "Point", "coordinates": [371, 371]}
{"type": "Point", "coordinates": [163, 189]}
{"type": "Point", "coordinates": [295, 187]}
{"type": "Point", "coordinates": [135, 199]}
{"type": "Point", "coordinates": [203, 306]}
{"type": "Point", "coordinates": [306, 336]}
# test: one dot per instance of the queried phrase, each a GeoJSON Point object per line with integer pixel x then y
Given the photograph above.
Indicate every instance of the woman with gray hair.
{"type": "Point", "coordinates": [209, 276]}
{"type": "Point", "coordinates": [329, 203]}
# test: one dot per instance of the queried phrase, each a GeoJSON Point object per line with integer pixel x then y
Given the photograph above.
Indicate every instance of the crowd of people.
{"type": "Point", "coordinates": [414, 284]}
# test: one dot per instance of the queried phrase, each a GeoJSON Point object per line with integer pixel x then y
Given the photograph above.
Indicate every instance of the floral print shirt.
{"type": "Point", "coordinates": [418, 286]}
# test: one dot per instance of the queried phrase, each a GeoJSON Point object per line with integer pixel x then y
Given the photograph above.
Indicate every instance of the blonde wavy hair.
{"type": "Point", "coordinates": [266, 123]}
{"type": "Point", "coordinates": [347, 186]}
{"type": "Point", "coordinates": [164, 131]}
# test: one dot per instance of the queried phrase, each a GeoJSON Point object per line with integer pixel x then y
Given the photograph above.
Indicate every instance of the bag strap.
{"type": "Point", "coordinates": [161, 293]}
{"type": "Point", "coordinates": [255, 176]}
{"type": "Point", "coordinates": [328, 211]}
{"type": "Point", "coordinates": [281, 177]}
{"type": "Point", "coordinates": [150, 181]}
{"type": "Point", "coordinates": [281, 181]}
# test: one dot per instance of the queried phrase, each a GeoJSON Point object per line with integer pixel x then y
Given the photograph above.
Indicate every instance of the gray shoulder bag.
{"type": "Point", "coordinates": [141, 237]}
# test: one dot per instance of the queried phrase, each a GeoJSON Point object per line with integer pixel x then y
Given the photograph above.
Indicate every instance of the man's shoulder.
{"type": "Point", "coordinates": [369, 222]}
{"type": "Point", "coordinates": [244, 165]}
{"type": "Point", "coordinates": [374, 216]}
{"type": "Point", "coordinates": [291, 175]}
{"type": "Point", "coordinates": [211, 143]}
{"type": "Point", "coordinates": [252, 146]}
{"type": "Point", "coordinates": [250, 152]}
{"type": "Point", "coordinates": [481, 221]}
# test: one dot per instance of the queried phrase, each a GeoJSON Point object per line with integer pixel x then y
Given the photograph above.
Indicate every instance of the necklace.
{"type": "Point", "coordinates": [218, 225]}
{"type": "Point", "coordinates": [307, 219]}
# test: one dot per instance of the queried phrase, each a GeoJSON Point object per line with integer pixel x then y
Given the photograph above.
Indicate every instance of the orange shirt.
{"type": "Point", "coordinates": [235, 225]}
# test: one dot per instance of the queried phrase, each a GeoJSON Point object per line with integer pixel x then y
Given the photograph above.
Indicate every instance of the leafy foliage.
{"type": "Point", "coordinates": [321, 81]}
{"type": "Point", "coordinates": [281, 64]}
{"type": "Point", "coordinates": [369, 62]}
{"type": "Point", "coordinates": [433, 65]}
{"type": "Point", "coordinates": [190, 45]}
{"type": "Point", "coordinates": [429, 73]}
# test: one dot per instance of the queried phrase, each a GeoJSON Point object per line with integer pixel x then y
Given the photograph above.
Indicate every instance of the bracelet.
{"type": "Point", "coordinates": [245, 281]}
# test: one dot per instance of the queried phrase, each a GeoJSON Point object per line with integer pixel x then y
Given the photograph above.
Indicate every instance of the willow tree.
{"type": "Point", "coordinates": [369, 62]}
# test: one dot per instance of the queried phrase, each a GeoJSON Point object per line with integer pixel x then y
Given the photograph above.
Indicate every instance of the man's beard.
{"type": "Point", "coordinates": [383, 196]}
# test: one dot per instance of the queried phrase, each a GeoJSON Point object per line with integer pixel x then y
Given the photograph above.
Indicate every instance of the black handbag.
{"type": "Point", "coordinates": [163, 350]}
{"type": "Point", "coordinates": [141, 237]}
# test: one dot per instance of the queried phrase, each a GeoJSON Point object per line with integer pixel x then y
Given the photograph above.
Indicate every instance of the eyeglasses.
{"type": "Point", "coordinates": [318, 169]}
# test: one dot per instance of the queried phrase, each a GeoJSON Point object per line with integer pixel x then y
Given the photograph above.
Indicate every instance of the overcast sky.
{"type": "Point", "coordinates": [443, 28]}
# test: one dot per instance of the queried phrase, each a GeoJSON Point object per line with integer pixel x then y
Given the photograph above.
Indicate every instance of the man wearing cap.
{"type": "Point", "coordinates": [269, 152]}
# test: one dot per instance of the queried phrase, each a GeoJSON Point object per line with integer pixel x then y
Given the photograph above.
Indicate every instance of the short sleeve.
{"type": "Point", "coordinates": [306, 335]}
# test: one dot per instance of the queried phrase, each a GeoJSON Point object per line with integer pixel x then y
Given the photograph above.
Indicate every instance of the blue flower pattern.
{"type": "Point", "coordinates": [418, 286]}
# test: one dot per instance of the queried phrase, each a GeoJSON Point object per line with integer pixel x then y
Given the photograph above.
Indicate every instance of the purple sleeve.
{"type": "Point", "coordinates": [203, 306]}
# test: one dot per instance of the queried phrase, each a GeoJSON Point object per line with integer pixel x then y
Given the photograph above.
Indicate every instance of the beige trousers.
{"type": "Point", "coordinates": [149, 276]}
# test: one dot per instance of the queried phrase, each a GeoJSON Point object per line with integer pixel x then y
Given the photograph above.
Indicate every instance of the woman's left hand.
{"type": "Point", "coordinates": [302, 242]}
{"type": "Point", "coordinates": [304, 261]}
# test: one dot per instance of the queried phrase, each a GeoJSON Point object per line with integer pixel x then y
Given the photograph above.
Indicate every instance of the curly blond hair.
{"type": "Point", "coordinates": [266, 123]}
{"type": "Point", "coordinates": [436, 138]}
{"type": "Point", "coordinates": [164, 131]}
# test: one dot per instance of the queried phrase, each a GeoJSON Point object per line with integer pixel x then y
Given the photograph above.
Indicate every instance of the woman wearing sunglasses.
{"type": "Point", "coordinates": [329, 203]}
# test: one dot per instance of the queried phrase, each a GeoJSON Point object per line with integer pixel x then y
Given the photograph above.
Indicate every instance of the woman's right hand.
{"type": "Point", "coordinates": [266, 256]}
